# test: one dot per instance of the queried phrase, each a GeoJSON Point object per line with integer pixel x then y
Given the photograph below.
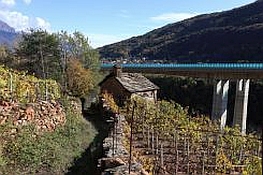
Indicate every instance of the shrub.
{"type": "Point", "coordinates": [29, 152]}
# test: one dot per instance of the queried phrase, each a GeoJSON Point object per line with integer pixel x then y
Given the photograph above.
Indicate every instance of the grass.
{"type": "Point", "coordinates": [29, 152]}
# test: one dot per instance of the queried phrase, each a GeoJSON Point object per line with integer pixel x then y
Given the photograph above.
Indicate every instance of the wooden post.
{"type": "Point", "coordinates": [157, 140]}
{"type": "Point", "coordinates": [184, 150]}
{"type": "Point", "coordinates": [241, 153]}
{"type": "Point", "coordinates": [188, 160]}
{"type": "Point", "coordinates": [113, 138]}
{"type": "Point", "coordinates": [143, 124]}
{"type": "Point", "coordinates": [174, 139]}
{"type": "Point", "coordinates": [11, 85]}
{"type": "Point", "coordinates": [148, 137]}
{"type": "Point", "coordinates": [203, 163]}
{"type": "Point", "coordinates": [116, 130]}
{"type": "Point", "coordinates": [162, 155]}
{"type": "Point", "coordinates": [152, 140]}
{"type": "Point", "coordinates": [176, 166]}
{"type": "Point", "coordinates": [131, 125]}
{"type": "Point", "coordinates": [207, 146]}
{"type": "Point", "coordinates": [259, 148]}
{"type": "Point", "coordinates": [175, 151]}
{"type": "Point", "coordinates": [217, 148]}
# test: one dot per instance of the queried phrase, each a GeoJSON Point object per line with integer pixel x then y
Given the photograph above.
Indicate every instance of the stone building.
{"type": "Point", "coordinates": [124, 85]}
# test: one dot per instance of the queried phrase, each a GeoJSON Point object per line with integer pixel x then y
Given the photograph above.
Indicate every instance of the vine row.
{"type": "Point", "coordinates": [25, 88]}
{"type": "Point", "coordinates": [168, 140]}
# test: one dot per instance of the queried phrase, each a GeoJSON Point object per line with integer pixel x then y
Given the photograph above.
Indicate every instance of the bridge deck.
{"type": "Point", "coordinates": [204, 70]}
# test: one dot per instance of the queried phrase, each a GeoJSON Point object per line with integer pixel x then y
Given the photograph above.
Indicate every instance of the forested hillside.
{"type": "Point", "coordinates": [218, 37]}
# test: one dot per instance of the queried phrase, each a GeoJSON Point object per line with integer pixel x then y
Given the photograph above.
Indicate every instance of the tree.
{"type": "Point", "coordinates": [39, 54]}
{"type": "Point", "coordinates": [77, 46]}
{"type": "Point", "coordinates": [79, 79]}
{"type": "Point", "coordinates": [4, 53]}
{"type": "Point", "coordinates": [7, 56]}
{"type": "Point", "coordinates": [55, 55]}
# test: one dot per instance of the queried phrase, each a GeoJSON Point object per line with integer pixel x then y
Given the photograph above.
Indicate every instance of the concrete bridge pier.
{"type": "Point", "coordinates": [241, 102]}
{"type": "Point", "coordinates": [220, 98]}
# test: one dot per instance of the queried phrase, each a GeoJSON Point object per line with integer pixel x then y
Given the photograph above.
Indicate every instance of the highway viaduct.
{"type": "Point", "coordinates": [220, 73]}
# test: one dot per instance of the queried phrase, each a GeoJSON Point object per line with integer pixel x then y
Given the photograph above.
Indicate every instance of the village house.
{"type": "Point", "coordinates": [124, 86]}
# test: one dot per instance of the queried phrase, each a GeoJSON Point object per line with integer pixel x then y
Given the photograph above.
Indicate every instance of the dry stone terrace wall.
{"type": "Point", "coordinates": [116, 156]}
{"type": "Point", "coordinates": [46, 116]}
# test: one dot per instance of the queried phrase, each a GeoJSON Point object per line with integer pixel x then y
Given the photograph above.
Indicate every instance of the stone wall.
{"type": "Point", "coordinates": [116, 156]}
{"type": "Point", "coordinates": [45, 115]}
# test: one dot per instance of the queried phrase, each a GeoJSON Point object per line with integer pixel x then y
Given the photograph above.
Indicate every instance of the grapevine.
{"type": "Point", "coordinates": [25, 88]}
{"type": "Point", "coordinates": [186, 140]}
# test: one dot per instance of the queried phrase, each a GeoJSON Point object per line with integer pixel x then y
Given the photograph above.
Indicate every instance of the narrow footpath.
{"type": "Point", "coordinates": [106, 154]}
{"type": "Point", "coordinates": [87, 163]}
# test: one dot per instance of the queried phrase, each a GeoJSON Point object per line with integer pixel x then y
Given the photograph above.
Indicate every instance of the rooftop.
{"type": "Point", "coordinates": [135, 82]}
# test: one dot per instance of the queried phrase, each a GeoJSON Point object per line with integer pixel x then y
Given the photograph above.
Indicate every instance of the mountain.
{"type": "Point", "coordinates": [7, 34]}
{"type": "Point", "coordinates": [232, 35]}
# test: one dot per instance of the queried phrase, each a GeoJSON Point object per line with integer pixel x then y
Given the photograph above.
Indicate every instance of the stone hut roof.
{"type": "Point", "coordinates": [134, 82]}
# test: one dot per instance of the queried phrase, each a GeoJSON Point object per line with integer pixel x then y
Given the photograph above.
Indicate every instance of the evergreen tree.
{"type": "Point", "coordinates": [39, 54]}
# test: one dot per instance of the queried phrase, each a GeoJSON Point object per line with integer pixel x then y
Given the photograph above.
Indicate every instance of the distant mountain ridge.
{"type": "Point", "coordinates": [232, 35]}
{"type": "Point", "coordinates": [6, 28]}
{"type": "Point", "coordinates": [7, 34]}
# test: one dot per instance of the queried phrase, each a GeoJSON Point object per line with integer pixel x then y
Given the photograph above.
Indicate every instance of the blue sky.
{"type": "Point", "coordinates": [105, 22]}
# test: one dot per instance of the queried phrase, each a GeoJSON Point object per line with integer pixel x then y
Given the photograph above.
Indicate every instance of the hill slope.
{"type": "Point", "coordinates": [226, 36]}
{"type": "Point", "coordinates": [7, 34]}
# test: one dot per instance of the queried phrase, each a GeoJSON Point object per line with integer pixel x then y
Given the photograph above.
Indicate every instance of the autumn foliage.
{"type": "Point", "coordinates": [79, 79]}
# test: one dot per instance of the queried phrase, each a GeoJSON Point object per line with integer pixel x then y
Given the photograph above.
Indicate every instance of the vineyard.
{"type": "Point", "coordinates": [18, 86]}
{"type": "Point", "coordinates": [166, 140]}
{"type": "Point", "coordinates": [40, 132]}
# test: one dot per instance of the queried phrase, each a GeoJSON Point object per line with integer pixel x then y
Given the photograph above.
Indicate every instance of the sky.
{"type": "Point", "coordinates": [108, 21]}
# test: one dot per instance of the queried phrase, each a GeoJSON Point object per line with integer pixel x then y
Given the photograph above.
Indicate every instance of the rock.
{"type": "Point", "coordinates": [30, 111]}
{"type": "Point", "coordinates": [143, 172]}
{"type": "Point", "coordinates": [46, 116]}
{"type": "Point", "coordinates": [2, 120]}
{"type": "Point", "coordinates": [111, 162]}
{"type": "Point", "coordinates": [13, 131]}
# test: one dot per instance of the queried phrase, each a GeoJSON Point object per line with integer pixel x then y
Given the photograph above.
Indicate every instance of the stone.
{"type": "Point", "coordinates": [111, 162]}
{"type": "Point", "coordinates": [143, 172]}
